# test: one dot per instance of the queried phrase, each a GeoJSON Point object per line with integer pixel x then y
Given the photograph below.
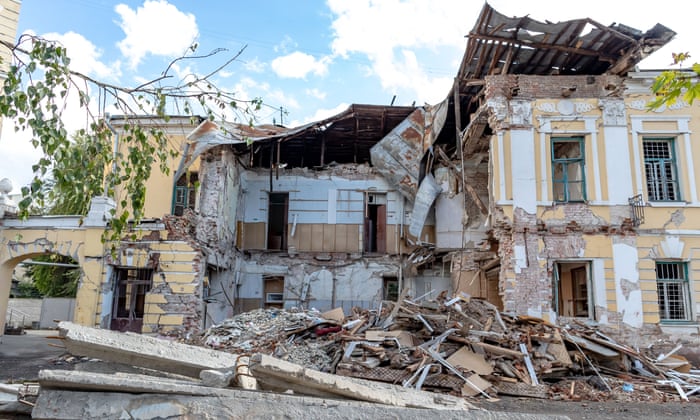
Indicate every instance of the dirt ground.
{"type": "Point", "coordinates": [25, 366]}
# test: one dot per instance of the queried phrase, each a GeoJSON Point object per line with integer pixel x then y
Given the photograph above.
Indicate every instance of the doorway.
{"type": "Point", "coordinates": [130, 288]}
{"type": "Point", "coordinates": [375, 223]}
{"type": "Point", "coordinates": [277, 221]}
{"type": "Point", "coordinates": [573, 294]}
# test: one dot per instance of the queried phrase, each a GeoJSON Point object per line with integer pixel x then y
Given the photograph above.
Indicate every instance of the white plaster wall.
{"type": "Point", "coordinates": [319, 198]}
{"type": "Point", "coordinates": [523, 170]}
{"type": "Point", "coordinates": [625, 262]}
{"type": "Point", "coordinates": [448, 220]}
{"type": "Point", "coordinates": [598, 284]}
{"type": "Point", "coordinates": [618, 165]}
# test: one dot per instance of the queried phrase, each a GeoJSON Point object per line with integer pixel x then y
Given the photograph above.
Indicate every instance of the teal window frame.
{"type": "Point", "coordinates": [183, 193]}
{"type": "Point", "coordinates": [661, 172]}
{"type": "Point", "coordinates": [565, 163]}
{"type": "Point", "coordinates": [673, 291]}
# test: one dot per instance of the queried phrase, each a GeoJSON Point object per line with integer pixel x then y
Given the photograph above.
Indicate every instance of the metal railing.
{"type": "Point", "coordinates": [637, 209]}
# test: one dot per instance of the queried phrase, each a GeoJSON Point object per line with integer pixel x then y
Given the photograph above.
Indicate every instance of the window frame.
{"type": "Point", "coordinates": [581, 140]}
{"type": "Point", "coordinates": [683, 282]}
{"type": "Point", "coordinates": [673, 159]}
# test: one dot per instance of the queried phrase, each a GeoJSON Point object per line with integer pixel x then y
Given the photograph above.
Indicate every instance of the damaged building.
{"type": "Point", "coordinates": [542, 183]}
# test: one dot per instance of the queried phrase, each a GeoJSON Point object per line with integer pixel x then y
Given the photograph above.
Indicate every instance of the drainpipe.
{"type": "Point", "coordinates": [114, 152]}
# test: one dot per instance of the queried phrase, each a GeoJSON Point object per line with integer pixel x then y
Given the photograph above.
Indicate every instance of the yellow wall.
{"type": "Point", "coordinates": [159, 187]}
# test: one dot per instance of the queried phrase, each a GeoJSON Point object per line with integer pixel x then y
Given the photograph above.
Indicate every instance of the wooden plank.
{"type": "Point", "coordinates": [559, 351]}
{"type": "Point", "coordinates": [591, 346]}
{"type": "Point", "coordinates": [500, 350]}
{"type": "Point", "coordinates": [317, 237]}
{"type": "Point", "coordinates": [328, 238]}
{"type": "Point", "coordinates": [341, 238]}
{"type": "Point", "coordinates": [336, 314]}
{"type": "Point", "coordinates": [467, 359]}
{"type": "Point", "coordinates": [304, 232]}
{"type": "Point", "coordinates": [475, 386]}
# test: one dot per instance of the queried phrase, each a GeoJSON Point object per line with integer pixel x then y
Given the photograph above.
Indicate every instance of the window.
{"type": "Point", "coordinates": [672, 288]}
{"type": "Point", "coordinates": [660, 168]}
{"type": "Point", "coordinates": [130, 288]}
{"type": "Point", "coordinates": [184, 195]}
{"type": "Point", "coordinates": [568, 180]}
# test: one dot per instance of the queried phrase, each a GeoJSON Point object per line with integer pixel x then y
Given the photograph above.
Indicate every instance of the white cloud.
{"type": "Point", "coordinates": [85, 56]}
{"type": "Point", "coordinates": [391, 45]}
{"type": "Point", "coordinates": [298, 64]}
{"type": "Point", "coordinates": [24, 155]}
{"type": "Point", "coordinates": [316, 93]}
{"type": "Point", "coordinates": [254, 65]}
{"type": "Point", "coordinates": [285, 45]}
{"type": "Point", "coordinates": [156, 28]}
{"type": "Point", "coordinates": [320, 114]}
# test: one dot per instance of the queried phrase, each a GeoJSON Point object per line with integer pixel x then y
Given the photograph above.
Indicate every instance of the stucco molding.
{"type": "Point", "coordinates": [613, 112]}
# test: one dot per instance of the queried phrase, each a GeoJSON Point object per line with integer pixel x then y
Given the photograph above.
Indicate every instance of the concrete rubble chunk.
{"type": "Point", "coordinates": [303, 380]}
{"type": "Point", "coordinates": [120, 382]}
{"type": "Point", "coordinates": [143, 351]}
{"type": "Point", "coordinates": [238, 404]}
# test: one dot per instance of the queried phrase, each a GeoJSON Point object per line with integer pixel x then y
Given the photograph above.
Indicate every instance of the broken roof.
{"type": "Point", "coordinates": [344, 137]}
{"type": "Point", "coordinates": [520, 45]}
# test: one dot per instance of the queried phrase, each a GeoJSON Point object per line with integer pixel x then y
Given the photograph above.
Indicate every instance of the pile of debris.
{"type": "Point", "coordinates": [461, 346]}
{"type": "Point", "coordinates": [391, 362]}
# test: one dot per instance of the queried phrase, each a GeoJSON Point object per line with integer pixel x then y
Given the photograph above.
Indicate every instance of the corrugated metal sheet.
{"type": "Point", "coordinates": [399, 154]}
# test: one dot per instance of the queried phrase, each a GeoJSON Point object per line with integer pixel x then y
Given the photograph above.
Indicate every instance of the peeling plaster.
{"type": "Point", "coordinates": [627, 291]}
{"type": "Point", "coordinates": [677, 218]}
{"type": "Point", "coordinates": [520, 258]}
{"type": "Point", "coordinates": [627, 287]}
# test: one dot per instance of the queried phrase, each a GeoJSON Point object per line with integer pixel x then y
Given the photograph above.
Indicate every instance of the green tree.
{"type": "Point", "coordinates": [83, 158]}
{"type": "Point", "coordinates": [54, 276]}
{"type": "Point", "coordinates": [38, 86]}
{"type": "Point", "coordinates": [675, 84]}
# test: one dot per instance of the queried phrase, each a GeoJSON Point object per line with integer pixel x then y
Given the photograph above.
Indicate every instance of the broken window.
{"type": "Point", "coordinates": [375, 223]}
{"type": "Point", "coordinates": [129, 301]}
{"type": "Point", "coordinates": [672, 288]}
{"type": "Point", "coordinates": [572, 289]}
{"type": "Point", "coordinates": [568, 169]}
{"type": "Point", "coordinates": [184, 194]}
{"type": "Point", "coordinates": [277, 221]}
{"type": "Point", "coordinates": [660, 168]}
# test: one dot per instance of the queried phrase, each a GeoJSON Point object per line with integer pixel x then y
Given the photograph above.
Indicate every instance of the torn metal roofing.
{"type": "Point", "coordinates": [520, 45]}
{"type": "Point", "coordinates": [343, 138]}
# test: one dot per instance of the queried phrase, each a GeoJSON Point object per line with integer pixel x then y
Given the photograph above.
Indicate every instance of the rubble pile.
{"type": "Point", "coordinates": [395, 361]}
{"type": "Point", "coordinates": [272, 331]}
{"type": "Point", "coordinates": [461, 346]}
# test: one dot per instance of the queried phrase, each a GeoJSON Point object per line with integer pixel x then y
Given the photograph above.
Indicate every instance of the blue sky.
{"type": "Point", "coordinates": [311, 57]}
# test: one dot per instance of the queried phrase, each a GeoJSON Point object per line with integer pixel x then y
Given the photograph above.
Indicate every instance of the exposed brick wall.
{"type": "Point", "coordinates": [533, 87]}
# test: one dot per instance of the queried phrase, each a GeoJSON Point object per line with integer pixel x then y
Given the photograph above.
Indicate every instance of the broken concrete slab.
{"type": "Point", "coordinates": [238, 404]}
{"type": "Point", "coordinates": [144, 351]}
{"type": "Point", "coordinates": [275, 372]}
{"type": "Point", "coordinates": [121, 382]}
